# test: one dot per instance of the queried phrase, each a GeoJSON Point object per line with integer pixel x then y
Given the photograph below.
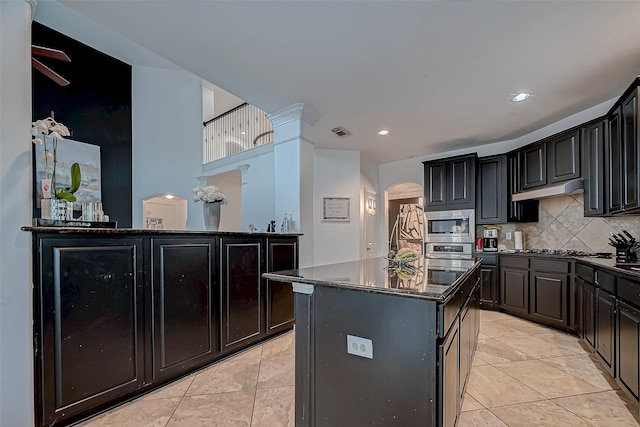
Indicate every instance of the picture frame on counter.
{"type": "Point", "coordinates": [336, 209]}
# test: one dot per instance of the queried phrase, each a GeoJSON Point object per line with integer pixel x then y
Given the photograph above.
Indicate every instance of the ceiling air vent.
{"type": "Point", "coordinates": [341, 132]}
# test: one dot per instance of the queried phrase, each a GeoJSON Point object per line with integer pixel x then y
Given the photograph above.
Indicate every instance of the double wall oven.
{"type": "Point", "coordinates": [448, 246]}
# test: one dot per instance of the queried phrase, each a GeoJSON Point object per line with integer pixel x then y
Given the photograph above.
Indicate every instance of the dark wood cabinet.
{"type": "Point", "coordinates": [578, 307]}
{"type": "Point", "coordinates": [282, 254]}
{"type": "Point", "coordinates": [523, 211]}
{"type": "Point", "coordinates": [450, 183]}
{"type": "Point", "coordinates": [614, 163]}
{"type": "Point", "coordinates": [563, 161]}
{"type": "Point", "coordinates": [590, 314]}
{"type": "Point", "coordinates": [628, 345]}
{"type": "Point", "coordinates": [466, 317]}
{"type": "Point", "coordinates": [88, 325]}
{"type": "Point", "coordinates": [533, 166]}
{"type": "Point", "coordinates": [184, 304]}
{"type": "Point", "coordinates": [449, 352]}
{"type": "Point", "coordinates": [593, 144]}
{"type": "Point", "coordinates": [630, 141]}
{"type": "Point", "coordinates": [241, 291]}
{"type": "Point", "coordinates": [605, 328]}
{"type": "Point", "coordinates": [549, 298]}
{"type": "Point", "coordinates": [488, 293]}
{"type": "Point", "coordinates": [622, 154]}
{"type": "Point", "coordinates": [514, 283]}
{"type": "Point", "coordinates": [492, 191]}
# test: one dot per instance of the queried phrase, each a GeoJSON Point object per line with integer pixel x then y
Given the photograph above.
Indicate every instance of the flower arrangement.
{"type": "Point", "coordinates": [209, 194]}
{"type": "Point", "coordinates": [56, 131]}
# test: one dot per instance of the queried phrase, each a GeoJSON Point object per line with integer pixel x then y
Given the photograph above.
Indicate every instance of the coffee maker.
{"type": "Point", "coordinates": [490, 240]}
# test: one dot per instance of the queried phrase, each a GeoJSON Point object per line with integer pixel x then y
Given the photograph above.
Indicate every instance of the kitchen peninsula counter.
{"type": "Point", "coordinates": [119, 312]}
{"type": "Point", "coordinates": [375, 346]}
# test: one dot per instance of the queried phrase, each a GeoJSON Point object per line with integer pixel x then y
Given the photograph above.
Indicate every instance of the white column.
{"type": "Point", "coordinates": [16, 337]}
{"type": "Point", "coordinates": [293, 172]}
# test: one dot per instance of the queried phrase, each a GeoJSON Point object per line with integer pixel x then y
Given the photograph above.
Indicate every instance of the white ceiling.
{"type": "Point", "coordinates": [438, 75]}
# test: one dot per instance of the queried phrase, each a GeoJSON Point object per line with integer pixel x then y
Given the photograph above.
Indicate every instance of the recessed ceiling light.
{"type": "Point", "coordinates": [520, 97]}
{"type": "Point", "coordinates": [383, 132]}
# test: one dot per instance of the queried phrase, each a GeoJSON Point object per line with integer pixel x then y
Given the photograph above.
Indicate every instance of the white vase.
{"type": "Point", "coordinates": [211, 214]}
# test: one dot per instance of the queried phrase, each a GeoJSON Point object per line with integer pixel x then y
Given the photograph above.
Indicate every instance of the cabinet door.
{"type": "Point", "coordinates": [90, 327]}
{"type": "Point", "coordinates": [590, 314]}
{"type": "Point", "coordinates": [281, 255]}
{"type": "Point", "coordinates": [628, 342]}
{"type": "Point", "coordinates": [242, 301]}
{"type": "Point", "coordinates": [563, 157]}
{"type": "Point", "coordinates": [549, 298]}
{"type": "Point", "coordinates": [461, 181]}
{"type": "Point", "coordinates": [491, 203]}
{"type": "Point", "coordinates": [465, 346]}
{"type": "Point", "coordinates": [526, 210]}
{"type": "Point", "coordinates": [630, 153]}
{"type": "Point", "coordinates": [448, 375]}
{"type": "Point", "coordinates": [489, 286]}
{"type": "Point", "coordinates": [435, 179]}
{"type": "Point", "coordinates": [515, 290]}
{"type": "Point", "coordinates": [593, 168]}
{"type": "Point", "coordinates": [183, 300]}
{"type": "Point", "coordinates": [605, 328]}
{"type": "Point", "coordinates": [578, 311]}
{"type": "Point", "coordinates": [614, 163]}
{"type": "Point", "coordinates": [533, 166]}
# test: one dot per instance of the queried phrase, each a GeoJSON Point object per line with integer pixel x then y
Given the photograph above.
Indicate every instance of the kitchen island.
{"type": "Point", "coordinates": [378, 346]}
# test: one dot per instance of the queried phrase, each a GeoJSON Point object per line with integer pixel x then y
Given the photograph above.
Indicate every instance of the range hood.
{"type": "Point", "coordinates": [568, 187]}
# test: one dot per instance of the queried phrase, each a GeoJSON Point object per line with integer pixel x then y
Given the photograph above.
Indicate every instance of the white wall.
{"type": "Point", "coordinates": [167, 138]}
{"type": "Point", "coordinates": [230, 184]}
{"type": "Point", "coordinates": [336, 174]}
{"type": "Point", "coordinates": [16, 336]}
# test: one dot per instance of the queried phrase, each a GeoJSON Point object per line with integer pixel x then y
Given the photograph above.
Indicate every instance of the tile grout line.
{"type": "Point", "coordinates": [255, 390]}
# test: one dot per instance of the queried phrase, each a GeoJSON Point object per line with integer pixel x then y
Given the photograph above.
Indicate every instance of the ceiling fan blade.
{"type": "Point", "coordinates": [49, 72]}
{"type": "Point", "coordinates": [50, 53]}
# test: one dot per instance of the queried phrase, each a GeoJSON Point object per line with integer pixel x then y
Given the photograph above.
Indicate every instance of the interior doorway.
{"type": "Point", "coordinates": [405, 217]}
{"type": "Point", "coordinates": [230, 183]}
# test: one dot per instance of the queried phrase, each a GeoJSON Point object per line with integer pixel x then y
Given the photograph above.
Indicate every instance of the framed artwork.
{"type": "Point", "coordinates": [336, 209]}
{"type": "Point", "coordinates": [67, 153]}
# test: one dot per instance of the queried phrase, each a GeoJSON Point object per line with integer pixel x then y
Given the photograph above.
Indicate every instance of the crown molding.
{"type": "Point", "coordinates": [293, 112]}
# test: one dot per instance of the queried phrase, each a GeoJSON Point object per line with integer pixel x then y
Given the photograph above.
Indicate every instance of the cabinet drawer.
{"type": "Point", "coordinates": [447, 313]}
{"type": "Point", "coordinates": [514, 262]}
{"type": "Point", "coordinates": [555, 266]}
{"type": "Point", "coordinates": [606, 281]}
{"type": "Point", "coordinates": [585, 272]}
{"type": "Point", "coordinates": [629, 291]}
{"type": "Point", "coordinates": [488, 259]}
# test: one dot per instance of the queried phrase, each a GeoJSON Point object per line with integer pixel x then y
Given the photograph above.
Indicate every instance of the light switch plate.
{"type": "Point", "coordinates": [508, 235]}
{"type": "Point", "coordinates": [359, 346]}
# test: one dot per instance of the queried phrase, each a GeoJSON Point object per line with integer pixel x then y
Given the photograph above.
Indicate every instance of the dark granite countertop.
{"type": "Point", "coordinates": [135, 231]}
{"type": "Point", "coordinates": [435, 280]}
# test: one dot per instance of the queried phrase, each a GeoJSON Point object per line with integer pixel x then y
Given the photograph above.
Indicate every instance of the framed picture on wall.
{"type": "Point", "coordinates": [336, 209]}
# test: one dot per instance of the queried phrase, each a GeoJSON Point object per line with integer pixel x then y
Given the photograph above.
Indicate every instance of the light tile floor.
{"type": "Point", "coordinates": [523, 374]}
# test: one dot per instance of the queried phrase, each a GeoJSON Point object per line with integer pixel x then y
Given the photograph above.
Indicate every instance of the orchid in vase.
{"type": "Point", "coordinates": [55, 130]}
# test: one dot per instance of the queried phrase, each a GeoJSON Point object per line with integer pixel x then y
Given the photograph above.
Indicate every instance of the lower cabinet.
{"type": "Point", "coordinates": [184, 305]}
{"type": "Point", "coordinates": [605, 328]}
{"type": "Point", "coordinates": [515, 290]}
{"type": "Point", "coordinates": [548, 296]}
{"type": "Point", "coordinates": [449, 357]}
{"type": "Point", "coordinates": [241, 291]}
{"type": "Point", "coordinates": [628, 344]}
{"type": "Point", "coordinates": [466, 323]}
{"type": "Point", "coordinates": [589, 314]}
{"type": "Point", "coordinates": [118, 315]}
{"type": "Point", "coordinates": [88, 325]}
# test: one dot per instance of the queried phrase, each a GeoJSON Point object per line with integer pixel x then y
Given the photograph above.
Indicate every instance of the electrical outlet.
{"type": "Point", "coordinates": [359, 346]}
{"type": "Point", "coordinates": [508, 235]}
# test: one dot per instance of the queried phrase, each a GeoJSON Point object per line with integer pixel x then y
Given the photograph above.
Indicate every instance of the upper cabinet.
{"type": "Point", "coordinates": [593, 139]}
{"type": "Point", "coordinates": [563, 157]}
{"type": "Point", "coordinates": [622, 154]}
{"type": "Point", "coordinates": [450, 183]}
{"type": "Point", "coordinates": [526, 210]}
{"type": "Point", "coordinates": [533, 166]}
{"type": "Point", "coordinates": [491, 203]}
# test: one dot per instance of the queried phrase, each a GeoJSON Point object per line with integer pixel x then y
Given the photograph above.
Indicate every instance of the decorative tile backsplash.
{"type": "Point", "coordinates": [562, 225]}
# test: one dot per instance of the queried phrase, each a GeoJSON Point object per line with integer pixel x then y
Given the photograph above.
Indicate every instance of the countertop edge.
{"type": "Point", "coordinates": [139, 231]}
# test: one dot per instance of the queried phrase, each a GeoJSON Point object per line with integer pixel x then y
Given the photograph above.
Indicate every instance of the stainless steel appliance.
{"type": "Point", "coordinates": [490, 240]}
{"type": "Point", "coordinates": [450, 234]}
{"type": "Point", "coordinates": [450, 226]}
